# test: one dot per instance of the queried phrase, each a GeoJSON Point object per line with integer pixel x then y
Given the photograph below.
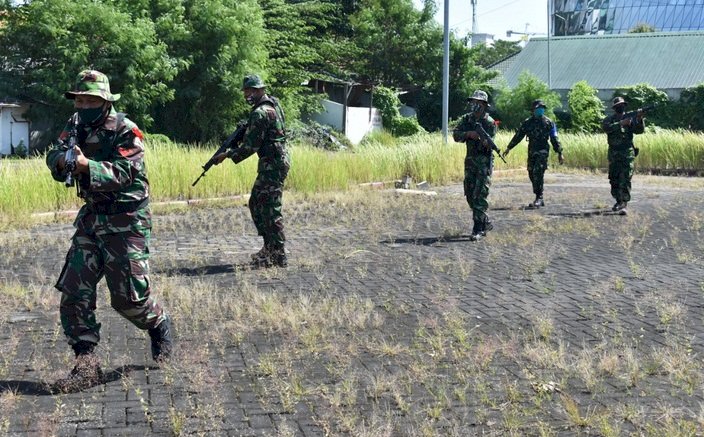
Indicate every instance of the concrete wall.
{"type": "Point", "coordinates": [360, 121]}
{"type": "Point", "coordinates": [14, 129]}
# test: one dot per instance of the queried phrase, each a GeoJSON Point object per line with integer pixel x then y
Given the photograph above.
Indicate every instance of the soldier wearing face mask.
{"type": "Point", "coordinates": [539, 129]}
{"type": "Point", "coordinates": [479, 161]}
{"type": "Point", "coordinates": [619, 134]}
{"type": "Point", "coordinates": [265, 136]}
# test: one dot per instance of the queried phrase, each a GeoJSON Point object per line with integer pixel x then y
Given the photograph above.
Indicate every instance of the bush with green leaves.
{"type": "Point", "coordinates": [514, 106]}
{"type": "Point", "coordinates": [387, 102]}
{"type": "Point", "coordinates": [642, 94]}
{"type": "Point", "coordinates": [586, 108]}
{"type": "Point", "coordinates": [691, 114]}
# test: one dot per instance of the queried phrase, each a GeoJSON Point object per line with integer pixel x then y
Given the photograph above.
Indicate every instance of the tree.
{"type": "Point", "coordinates": [514, 106]}
{"type": "Point", "coordinates": [217, 42]}
{"type": "Point", "coordinates": [642, 28]}
{"type": "Point", "coordinates": [485, 56]}
{"type": "Point", "coordinates": [692, 113]}
{"type": "Point", "coordinates": [586, 108]}
{"type": "Point", "coordinates": [45, 43]}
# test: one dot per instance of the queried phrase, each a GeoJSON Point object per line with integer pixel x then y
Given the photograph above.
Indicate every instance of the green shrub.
{"type": "Point", "coordinates": [586, 108]}
{"type": "Point", "coordinates": [387, 102]}
{"type": "Point", "coordinates": [514, 105]}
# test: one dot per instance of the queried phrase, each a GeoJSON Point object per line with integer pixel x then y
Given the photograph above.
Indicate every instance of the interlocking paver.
{"type": "Point", "coordinates": [405, 368]}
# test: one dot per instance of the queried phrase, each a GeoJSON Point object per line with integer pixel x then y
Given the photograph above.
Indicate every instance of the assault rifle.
{"type": "Point", "coordinates": [632, 115]}
{"type": "Point", "coordinates": [233, 140]}
{"type": "Point", "coordinates": [640, 111]}
{"type": "Point", "coordinates": [484, 136]}
{"type": "Point", "coordinates": [70, 158]}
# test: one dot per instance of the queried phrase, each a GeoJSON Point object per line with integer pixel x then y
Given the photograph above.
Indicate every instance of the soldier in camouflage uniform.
{"type": "Point", "coordinates": [265, 136]}
{"type": "Point", "coordinates": [619, 133]}
{"type": "Point", "coordinates": [538, 128]}
{"type": "Point", "coordinates": [479, 162]}
{"type": "Point", "coordinates": [112, 228]}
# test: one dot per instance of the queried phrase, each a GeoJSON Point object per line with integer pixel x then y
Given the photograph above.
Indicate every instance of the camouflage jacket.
{"type": "Point", "coordinates": [116, 188]}
{"type": "Point", "coordinates": [468, 123]}
{"type": "Point", "coordinates": [265, 136]}
{"type": "Point", "coordinates": [538, 130]}
{"type": "Point", "coordinates": [620, 138]}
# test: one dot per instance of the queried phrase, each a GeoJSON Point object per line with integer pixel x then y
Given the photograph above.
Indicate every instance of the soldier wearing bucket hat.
{"type": "Point", "coordinates": [265, 136]}
{"type": "Point", "coordinates": [539, 129]}
{"type": "Point", "coordinates": [478, 162]}
{"type": "Point", "coordinates": [113, 228]}
{"type": "Point", "coordinates": [620, 130]}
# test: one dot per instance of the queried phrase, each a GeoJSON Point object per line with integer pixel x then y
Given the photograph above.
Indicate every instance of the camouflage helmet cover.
{"type": "Point", "coordinates": [481, 96]}
{"type": "Point", "coordinates": [252, 81]}
{"type": "Point", "coordinates": [92, 83]}
{"type": "Point", "coordinates": [618, 101]}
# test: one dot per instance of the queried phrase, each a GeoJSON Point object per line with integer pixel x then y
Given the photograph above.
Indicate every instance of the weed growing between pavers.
{"type": "Point", "coordinates": [386, 323]}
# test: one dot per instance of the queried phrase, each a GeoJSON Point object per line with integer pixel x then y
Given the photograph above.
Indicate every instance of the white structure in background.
{"type": "Point", "coordinates": [14, 128]}
{"type": "Point", "coordinates": [348, 109]}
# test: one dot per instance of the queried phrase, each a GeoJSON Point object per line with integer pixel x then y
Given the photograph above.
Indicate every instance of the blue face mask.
{"type": "Point", "coordinates": [539, 112]}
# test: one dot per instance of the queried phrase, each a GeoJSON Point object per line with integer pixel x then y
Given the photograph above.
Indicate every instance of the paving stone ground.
{"type": "Point", "coordinates": [389, 321]}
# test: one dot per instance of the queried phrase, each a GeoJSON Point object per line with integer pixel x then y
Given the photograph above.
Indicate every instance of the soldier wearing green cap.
{"type": "Point", "coordinates": [265, 136]}
{"type": "Point", "coordinates": [539, 129]}
{"type": "Point", "coordinates": [619, 131]}
{"type": "Point", "coordinates": [479, 161]}
{"type": "Point", "coordinates": [112, 228]}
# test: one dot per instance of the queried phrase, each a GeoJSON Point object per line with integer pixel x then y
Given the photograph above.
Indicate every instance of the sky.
{"type": "Point", "coordinates": [495, 16]}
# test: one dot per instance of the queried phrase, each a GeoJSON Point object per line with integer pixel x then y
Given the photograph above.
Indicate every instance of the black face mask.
{"type": "Point", "coordinates": [620, 109]}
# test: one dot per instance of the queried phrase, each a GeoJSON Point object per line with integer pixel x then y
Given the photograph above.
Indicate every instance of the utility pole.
{"type": "Point", "coordinates": [446, 73]}
{"type": "Point", "coordinates": [475, 28]}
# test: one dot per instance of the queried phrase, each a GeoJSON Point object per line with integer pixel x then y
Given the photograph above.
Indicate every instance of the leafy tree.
{"type": "Point", "coordinates": [388, 103]}
{"type": "Point", "coordinates": [514, 106]}
{"type": "Point", "coordinates": [692, 111]}
{"type": "Point", "coordinates": [643, 94]}
{"type": "Point", "coordinates": [485, 56]}
{"type": "Point", "coordinates": [586, 108]}
{"type": "Point", "coordinates": [218, 42]}
{"type": "Point", "coordinates": [642, 28]}
{"type": "Point", "coordinates": [45, 43]}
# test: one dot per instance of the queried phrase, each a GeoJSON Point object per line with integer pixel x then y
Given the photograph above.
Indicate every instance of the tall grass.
{"type": "Point", "coordinates": [27, 185]}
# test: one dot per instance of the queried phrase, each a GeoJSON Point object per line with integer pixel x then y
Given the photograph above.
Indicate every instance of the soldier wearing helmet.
{"type": "Point", "coordinates": [112, 228]}
{"type": "Point", "coordinates": [479, 161]}
{"type": "Point", "coordinates": [265, 136]}
{"type": "Point", "coordinates": [619, 134]}
{"type": "Point", "coordinates": [539, 129]}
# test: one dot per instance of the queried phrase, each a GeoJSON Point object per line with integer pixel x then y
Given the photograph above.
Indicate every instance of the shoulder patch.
{"type": "Point", "coordinates": [137, 133]}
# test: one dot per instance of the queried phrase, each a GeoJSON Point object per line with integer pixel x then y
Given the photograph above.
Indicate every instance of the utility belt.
{"type": "Point", "coordinates": [110, 208]}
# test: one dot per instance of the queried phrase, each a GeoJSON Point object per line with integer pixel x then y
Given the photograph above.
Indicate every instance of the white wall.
{"type": "Point", "coordinates": [13, 128]}
{"type": "Point", "coordinates": [358, 120]}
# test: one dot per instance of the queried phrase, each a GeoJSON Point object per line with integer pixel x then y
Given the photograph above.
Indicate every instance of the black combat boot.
{"type": "Point", "coordinates": [85, 374]}
{"type": "Point", "coordinates": [477, 232]}
{"type": "Point", "coordinates": [278, 257]}
{"type": "Point", "coordinates": [486, 227]}
{"type": "Point", "coordinates": [162, 340]}
{"type": "Point", "coordinates": [538, 202]}
{"type": "Point", "coordinates": [262, 255]}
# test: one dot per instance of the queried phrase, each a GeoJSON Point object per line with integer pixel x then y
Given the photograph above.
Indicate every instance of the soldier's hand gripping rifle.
{"type": "Point", "coordinates": [70, 163]}
{"type": "Point", "coordinates": [233, 140]}
{"type": "Point", "coordinates": [484, 136]}
{"type": "Point", "coordinates": [633, 116]}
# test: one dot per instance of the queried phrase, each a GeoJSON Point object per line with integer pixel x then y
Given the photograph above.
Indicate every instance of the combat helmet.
{"type": "Point", "coordinates": [538, 103]}
{"type": "Point", "coordinates": [252, 81]}
{"type": "Point", "coordinates": [92, 83]}
{"type": "Point", "coordinates": [480, 95]}
{"type": "Point", "coordinates": [618, 101]}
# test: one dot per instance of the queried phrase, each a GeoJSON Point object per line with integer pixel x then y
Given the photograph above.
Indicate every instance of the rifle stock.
{"type": "Point", "coordinates": [233, 140]}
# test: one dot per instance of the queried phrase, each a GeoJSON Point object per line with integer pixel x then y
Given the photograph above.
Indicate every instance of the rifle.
{"type": "Point", "coordinates": [633, 116]}
{"type": "Point", "coordinates": [644, 110]}
{"type": "Point", "coordinates": [231, 141]}
{"type": "Point", "coordinates": [484, 136]}
{"type": "Point", "coordinates": [70, 158]}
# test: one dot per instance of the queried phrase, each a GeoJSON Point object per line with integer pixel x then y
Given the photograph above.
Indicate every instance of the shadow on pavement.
{"type": "Point", "coordinates": [427, 241]}
{"type": "Point", "coordinates": [210, 270]}
{"type": "Point", "coordinates": [43, 388]}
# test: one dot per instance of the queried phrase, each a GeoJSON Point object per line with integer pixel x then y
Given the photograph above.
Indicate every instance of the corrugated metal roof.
{"type": "Point", "coordinates": [665, 60]}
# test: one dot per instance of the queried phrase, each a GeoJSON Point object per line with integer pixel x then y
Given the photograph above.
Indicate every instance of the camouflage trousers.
{"type": "Point", "coordinates": [122, 258]}
{"type": "Point", "coordinates": [477, 180]}
{"type": "Point", "coordinates": [621, 167]}
{"type": "Point", "coordinates": [265, 206]}
{"type": "Point", "coordinates": [537, 164]}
